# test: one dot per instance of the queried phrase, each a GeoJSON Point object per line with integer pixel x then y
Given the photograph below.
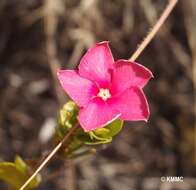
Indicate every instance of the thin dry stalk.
{"type": "Point", "coordinates": [154, 30]}
{"type": "Point", "coordinates": [50, 156]}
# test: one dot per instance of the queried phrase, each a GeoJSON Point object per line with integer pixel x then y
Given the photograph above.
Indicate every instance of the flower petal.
{"type": "Point", "coordinates": [96, 64]}
{"type": "Point", "coordinates": [132, 105]}
{"type": "Point", "coordinates": [96, 115]}
{"type": "Point", "coordinates": [81, 90]}
{"type": "Point", "coordinates": [127, 74]}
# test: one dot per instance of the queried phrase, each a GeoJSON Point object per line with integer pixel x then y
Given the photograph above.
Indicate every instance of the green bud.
{"type": "Point", "coordinates": [68, 112]}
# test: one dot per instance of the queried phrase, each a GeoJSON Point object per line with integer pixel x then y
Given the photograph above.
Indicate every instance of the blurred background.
{"type": "Point", "coordinates": [37, 37]}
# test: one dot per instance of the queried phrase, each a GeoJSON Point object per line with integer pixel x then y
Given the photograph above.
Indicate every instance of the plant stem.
{"type": "Point", "coordinates": [154, 30]}
{"type": "Point", "coordinates": [49, 157]}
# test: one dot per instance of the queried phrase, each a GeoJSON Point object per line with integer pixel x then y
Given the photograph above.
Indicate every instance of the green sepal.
{"type": "Point", "coordinates": [107, 132]}
{"type": "Point", "coordinates": [101, 135]}
{"type": "Point", "coordinates": [87, 139]}
{"type": "Point", "coordinates": [115, 127]}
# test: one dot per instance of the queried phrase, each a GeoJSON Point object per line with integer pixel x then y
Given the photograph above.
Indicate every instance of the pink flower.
{"type": "Point", "coordinates": [105, 89]}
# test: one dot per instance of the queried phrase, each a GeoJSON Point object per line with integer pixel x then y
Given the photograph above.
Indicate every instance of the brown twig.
{"type": "Point", "coordinates": [139, 50]}
{"type": "Point", "coordinates": [154, 30]}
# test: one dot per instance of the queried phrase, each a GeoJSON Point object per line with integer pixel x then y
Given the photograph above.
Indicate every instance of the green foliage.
{"type": "Point", "coordinates": [20, 165]}
{"type": "Point", "coordinates": [104, 135]}
{"type": "Point", "coordinates": [77, 145]}
{"type": "Point", "coordinates": [16, 173]}
{"type": "Point", "coordinates": [99, 136]}
{"type": "Point", "coordinates": [109, 130]}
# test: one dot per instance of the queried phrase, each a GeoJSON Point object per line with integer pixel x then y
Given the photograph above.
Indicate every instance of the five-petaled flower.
{"type": "Point", "coordinates": [105, 89]}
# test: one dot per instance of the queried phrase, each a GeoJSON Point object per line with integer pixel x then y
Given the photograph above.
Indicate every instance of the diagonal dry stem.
{"type": "Point", "coordinates": [50, 156]}
{"type": "Point", "coordinates": [139, 50]}
{"type": "Point", "coordinates": [154, 30]}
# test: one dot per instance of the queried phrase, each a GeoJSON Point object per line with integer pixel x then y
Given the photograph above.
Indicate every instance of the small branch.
{"type": "Point", "coordinates": [154, 30]}
{"type": "Point", "coordinates": [49, 157]}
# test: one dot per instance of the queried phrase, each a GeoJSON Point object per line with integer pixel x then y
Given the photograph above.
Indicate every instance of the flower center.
{"type": "Point", "coordinates": [104, 94]}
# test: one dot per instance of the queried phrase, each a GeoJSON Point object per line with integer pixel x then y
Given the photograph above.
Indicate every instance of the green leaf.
{"type": "Point", "coordinates": [15, 174]}
{"type": "Point", "coordinates": [114, 127]}
{"type": "Point", "coordinates": [88, 139]}
{"type": "Point", "coordinates": [108, 131]}
{"type": "Point", "coordinates": [101, 135]}
{"type": "Point", "coordinates": [20, 165]}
